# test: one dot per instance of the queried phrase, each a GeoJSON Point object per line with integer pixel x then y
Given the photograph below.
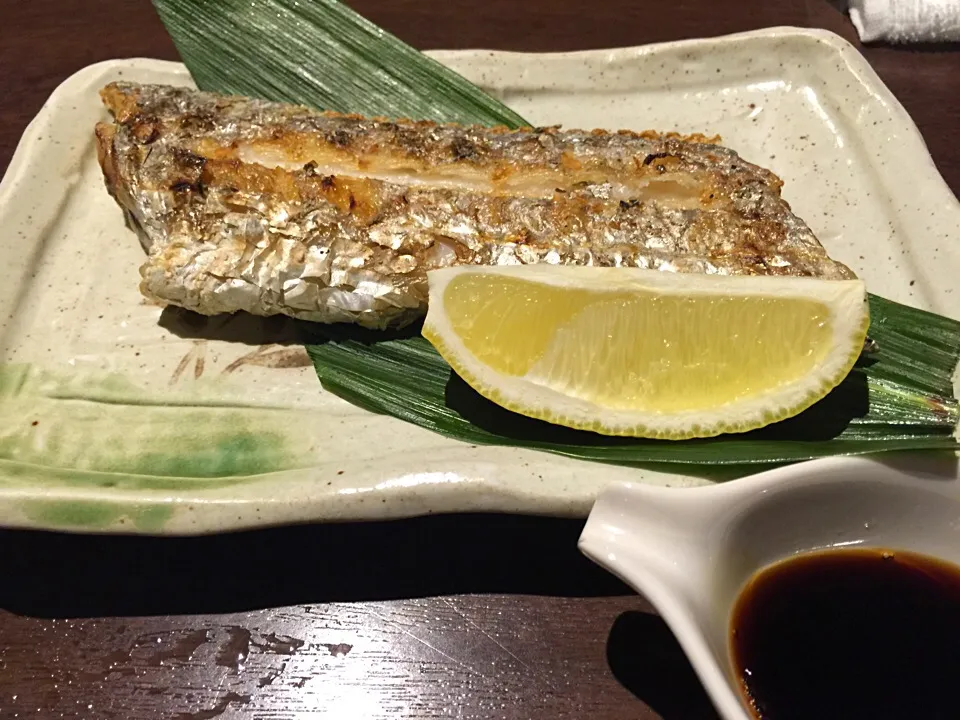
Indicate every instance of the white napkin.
{"type": "Point", "coordinates": [906, 21]}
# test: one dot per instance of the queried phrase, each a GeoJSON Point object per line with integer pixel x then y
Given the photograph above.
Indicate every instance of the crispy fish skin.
{"type": "Point", "coordinates": [247, 205]}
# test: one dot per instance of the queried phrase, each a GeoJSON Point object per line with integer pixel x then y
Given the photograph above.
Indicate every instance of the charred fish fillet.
{"type": "Point", "coordinates": [246, 205]}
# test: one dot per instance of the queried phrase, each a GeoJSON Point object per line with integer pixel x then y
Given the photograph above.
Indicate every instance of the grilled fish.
{"type": "Point", "coordinates": [247, 205]}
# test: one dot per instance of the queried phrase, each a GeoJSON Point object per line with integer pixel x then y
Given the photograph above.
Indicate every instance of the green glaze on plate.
{"type": "Point", "coordinates": [92, 515]}
{"type": "Point", "coordinates": [143, 448]}
{"type": "Point", "coordinates": [143, 440]}
{"type": "Point", "coordinates": [146, 440]}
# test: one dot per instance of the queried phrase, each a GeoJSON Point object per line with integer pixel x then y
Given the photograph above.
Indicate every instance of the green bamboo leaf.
{"type": "Point", "coordinates": [324, 55]}
{"type": "Point", "coordinates": [408, 379]}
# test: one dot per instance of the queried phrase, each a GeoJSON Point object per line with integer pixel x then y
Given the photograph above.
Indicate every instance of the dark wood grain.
{"type": "Point", "coordinates": [470, 617]}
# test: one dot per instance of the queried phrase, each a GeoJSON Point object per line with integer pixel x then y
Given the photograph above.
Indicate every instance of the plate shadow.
{"type": "Point", "coordinates": [61, 575]}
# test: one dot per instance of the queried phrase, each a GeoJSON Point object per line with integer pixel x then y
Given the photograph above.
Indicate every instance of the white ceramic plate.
{"type": "Point", "coordinates": [111, 422]}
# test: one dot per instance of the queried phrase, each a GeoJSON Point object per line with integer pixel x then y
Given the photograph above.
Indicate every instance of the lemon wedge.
{"type": "Point", "coordinates": [645, 353]}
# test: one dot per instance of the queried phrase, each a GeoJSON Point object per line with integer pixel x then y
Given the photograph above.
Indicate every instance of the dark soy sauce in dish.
{"type": "Point", "coordinates": [852, 633]}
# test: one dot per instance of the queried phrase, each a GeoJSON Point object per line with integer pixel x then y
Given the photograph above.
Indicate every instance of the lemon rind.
{"type": "Point", "coordinates": [520, 395]}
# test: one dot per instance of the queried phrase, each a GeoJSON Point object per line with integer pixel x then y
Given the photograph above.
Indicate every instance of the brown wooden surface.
{"type": "Point", "coordinates": [472, 617]}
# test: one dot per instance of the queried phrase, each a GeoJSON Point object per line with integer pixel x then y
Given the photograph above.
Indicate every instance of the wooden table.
{"type": "Point", "coordinates": [483, 616]}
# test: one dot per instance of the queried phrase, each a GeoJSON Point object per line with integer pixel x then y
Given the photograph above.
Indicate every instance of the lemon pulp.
{"type": "Point", "coordinates": [638, 350]}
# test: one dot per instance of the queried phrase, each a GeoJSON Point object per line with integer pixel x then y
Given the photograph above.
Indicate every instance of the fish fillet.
{"type": "Point", "coordinates": [247, 205]}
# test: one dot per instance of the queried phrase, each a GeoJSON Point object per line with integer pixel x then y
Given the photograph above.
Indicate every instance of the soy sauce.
{"type": "Point", "coordinates": [851, 633]}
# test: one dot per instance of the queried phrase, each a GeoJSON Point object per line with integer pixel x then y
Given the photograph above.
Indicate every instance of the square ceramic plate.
{"type": "Point", "coordinates": [117, 417]}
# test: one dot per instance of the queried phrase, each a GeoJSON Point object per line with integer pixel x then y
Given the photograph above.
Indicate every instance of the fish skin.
{"type": "Point", "coordinates": [247, 205]}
